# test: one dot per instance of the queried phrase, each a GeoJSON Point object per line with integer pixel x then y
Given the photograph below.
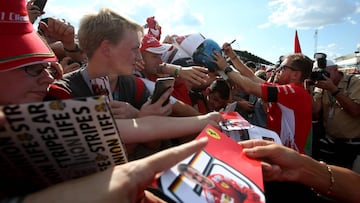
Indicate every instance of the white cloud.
{"type": "Point", "coordinates": [309, 14]}
{"type": "Point", "coordinates": [174, 16]}
{"type": "Point", "coordinates": [265, 25]}
{"type": "Point", "coordinates": [331, 50]}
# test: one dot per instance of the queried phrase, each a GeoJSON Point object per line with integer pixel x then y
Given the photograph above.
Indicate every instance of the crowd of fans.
{"type": "Point", "coordinates": [317, 119]}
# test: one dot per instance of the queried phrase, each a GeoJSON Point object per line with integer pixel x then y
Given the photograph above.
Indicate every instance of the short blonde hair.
{"type": "Point", "coordinates": [105, 25]}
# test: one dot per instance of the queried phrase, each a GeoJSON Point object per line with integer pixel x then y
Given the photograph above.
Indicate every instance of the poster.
{"type": "Point", "coordinates": [218, 173]}
{"type": "Point", "coordinates": [49, 142]}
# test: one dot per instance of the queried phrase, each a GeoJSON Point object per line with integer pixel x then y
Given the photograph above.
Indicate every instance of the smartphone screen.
{"type": "Point", "coordinates": [41, 4]}
{"type": "Point", "coordinates": [161, 85]}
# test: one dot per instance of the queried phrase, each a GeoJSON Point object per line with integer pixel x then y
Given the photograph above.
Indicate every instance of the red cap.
{"type": "Point", "coordinates": [151, 44]}
{"type": "Point", "coordinates": [21, 45]}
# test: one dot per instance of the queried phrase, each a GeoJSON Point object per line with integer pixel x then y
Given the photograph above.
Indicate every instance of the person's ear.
{"type": "Point", "coordinates": [295, 75]}
{"type": "Point", "coordinates": [105, 48]}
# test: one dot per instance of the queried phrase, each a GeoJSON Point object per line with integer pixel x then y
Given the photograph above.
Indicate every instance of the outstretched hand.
{"type": "Point", "coordinates": [33, 11]}
{"type": "Point", "coordinates": [279, 162]}
{"type": "Point", "coordinates": [196, 75]}
{"type": "Point", "coordinates": [59, 30]}
{"type": "Point", "coordinates": [123, 183]}
{"type": "Point", "coordinates": [228, 50]}
{"type": "Point", "coordinates": [213, 118]}
{"type": "Point", "coordinates": [157, 108]}
{"type": "Point", "coordinates": [219, 60]}
{"type": "Point", "coordinates": [123, 110]}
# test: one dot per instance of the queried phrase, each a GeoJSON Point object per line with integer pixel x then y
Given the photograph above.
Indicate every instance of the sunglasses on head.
{"type": "Point", "coordinates": [36, 70]}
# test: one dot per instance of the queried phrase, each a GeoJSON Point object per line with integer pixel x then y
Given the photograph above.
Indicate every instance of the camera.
{"type": "Point", "coordinates": [316, 75]}
{"type": "Point", "coordinates": [319, 75]}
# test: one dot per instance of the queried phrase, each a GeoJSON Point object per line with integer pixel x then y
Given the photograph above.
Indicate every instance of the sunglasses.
{"type": "Point", "coordinates": [36, 70]}
{"type": "Point", "coordinates": [283, 67]}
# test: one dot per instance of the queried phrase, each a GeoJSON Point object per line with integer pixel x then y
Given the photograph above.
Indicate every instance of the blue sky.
{"type": "Point", "coordinates": [264, 28]}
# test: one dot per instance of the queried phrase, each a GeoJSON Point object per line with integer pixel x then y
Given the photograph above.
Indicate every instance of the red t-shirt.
{"type": "Point", "coordinates": [289, 113]}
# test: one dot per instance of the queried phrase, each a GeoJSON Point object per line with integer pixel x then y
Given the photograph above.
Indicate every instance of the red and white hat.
{"type": "Point", "coordinates": [151, 44]}
{"type": "Point", "coordinates": [20, 44]}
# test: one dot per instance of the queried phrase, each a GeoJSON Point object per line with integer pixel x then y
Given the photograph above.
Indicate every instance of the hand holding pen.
{"type": "Point", "coordinates": [227, 45]}
{"type": "Point", "coordinates": [228, 51]}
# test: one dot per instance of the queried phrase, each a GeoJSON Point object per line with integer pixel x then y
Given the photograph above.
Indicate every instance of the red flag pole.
{"type": "Point", "coordinates": [297, 48]}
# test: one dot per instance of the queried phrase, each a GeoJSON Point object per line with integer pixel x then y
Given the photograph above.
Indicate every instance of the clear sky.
{"type": "Point", "coordinates": [264, 28]}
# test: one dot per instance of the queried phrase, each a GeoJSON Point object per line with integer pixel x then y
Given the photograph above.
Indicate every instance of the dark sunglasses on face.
{"type": "Point", "coordinates": [36, 70]}
{"type": "Point", "coordinates": [283, 67]}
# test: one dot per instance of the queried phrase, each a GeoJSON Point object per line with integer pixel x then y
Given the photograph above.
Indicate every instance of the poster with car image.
{"type": "Point", "coordinates": [218, 173]}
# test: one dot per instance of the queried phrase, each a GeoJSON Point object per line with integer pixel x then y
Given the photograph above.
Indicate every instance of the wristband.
{"type": "Point", "coordinates": [77, 49]}
{"type": "Point", "coordinates": [176, 71]}
{"type": "Point", "coordinates": [335, 93]}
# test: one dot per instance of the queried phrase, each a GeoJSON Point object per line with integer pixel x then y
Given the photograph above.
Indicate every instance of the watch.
{"type": "Point", "coordinates": [228, 69]}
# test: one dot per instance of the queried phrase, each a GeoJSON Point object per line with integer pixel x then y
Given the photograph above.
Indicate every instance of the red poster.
{"type": "Point", "coordinates": [219, 173]}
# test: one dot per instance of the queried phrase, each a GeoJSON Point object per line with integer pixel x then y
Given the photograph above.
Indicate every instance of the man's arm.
{"type": "Point", "coordinates": [182, 109]}
{"type": "Point", "coordinates": [350, 107]}
{"type": "Point", "coordinates": [152, 128]}
{"type": "Point", "coordinates": [239, 65]}
{"type": "Point", "coordinates": [195, 75]}
{"type": "Point", "coordinates": [64, 32]}
{"type": "Point", "coordinates": [281, 163]}
{"type": "Point", "coordinates": [122, 183]}
{"type": "Point", "coordinates": [249, 85]}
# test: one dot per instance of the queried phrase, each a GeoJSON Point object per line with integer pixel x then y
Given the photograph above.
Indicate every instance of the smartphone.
{"type": "Point", "coordinates": [161, 85]}
{"type": "Point", "coordinates": [41, 4]}
{"type": "Point", "coordinates": [45, 20]}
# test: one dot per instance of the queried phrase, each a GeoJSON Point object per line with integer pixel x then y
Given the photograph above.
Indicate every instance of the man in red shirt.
{"type": "Point", "coordinates": [289, 112]}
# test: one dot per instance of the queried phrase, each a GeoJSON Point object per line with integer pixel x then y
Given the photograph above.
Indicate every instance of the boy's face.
{"type": "Point", "coordinates": [215, 102]}
{"type": "Point", "coordinates": [124, 54]}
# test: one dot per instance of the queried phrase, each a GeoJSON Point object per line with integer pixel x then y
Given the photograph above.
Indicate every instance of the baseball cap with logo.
{"type": "Point", "coordinates": [151, 44]}
{"type": "Point", "coordinates": [20, 44]}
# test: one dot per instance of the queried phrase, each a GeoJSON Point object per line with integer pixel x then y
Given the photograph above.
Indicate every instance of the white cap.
{"type": "Point", "coordinates": [330, 63]}
{"type": "Point", "coordinates": [269, 68]}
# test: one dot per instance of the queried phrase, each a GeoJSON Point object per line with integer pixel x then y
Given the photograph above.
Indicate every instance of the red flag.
{"type": "Point", "coordinates": [297, 48]}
